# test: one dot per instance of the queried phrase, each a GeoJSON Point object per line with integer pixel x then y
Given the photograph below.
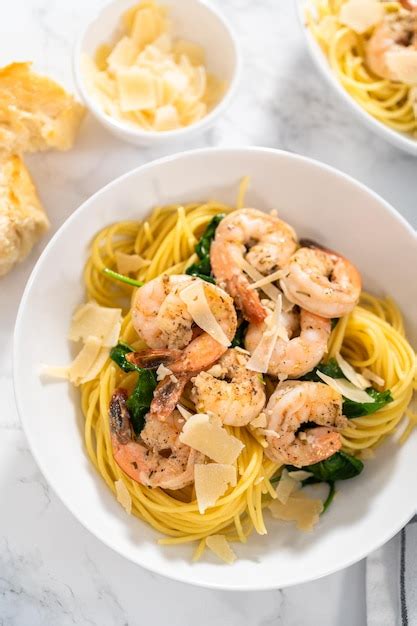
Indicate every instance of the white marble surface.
{"type": "Point", "coordinates": [52, 571]}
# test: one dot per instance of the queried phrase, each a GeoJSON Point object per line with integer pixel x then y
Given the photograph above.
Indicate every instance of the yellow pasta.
{"type": "Point", "coordinates": [388, 101]}
{"type": "Point", "coordinates": [371, 336]}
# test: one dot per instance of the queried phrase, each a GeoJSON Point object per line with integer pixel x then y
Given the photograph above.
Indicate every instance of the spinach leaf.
{"type": "Point", "coordinates": [202, 268]}
{"type": "Point", "coordinates": [350, 408]}
{"type": "Point", "coordinates": [238, 340]}
{"type": "Point", "coordinates": [140, 400]}
{"type": "Point", "coordinates": [330, 496]}
{"type": "Point", "coordinates": [118, 355]}
{"type": "Point", "coordinates": [340, 466]}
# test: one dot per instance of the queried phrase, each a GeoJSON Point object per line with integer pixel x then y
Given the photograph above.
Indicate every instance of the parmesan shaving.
{"type": "Point", "coordinates": [346, 389]}
{"type": "Point", "coordinates": [102, 323]}
{"type": "Point", "coordinates": [403, 64]}
{"type": "Point", "coordinates": [370, 375]}
{"type": "Point", "coordinates": [194, 298]}
{"type": "Point", "coordinates": [300, 475]}
{"type": "Point", "coordinates": [299, 508]}
{"type": "Point", "coordinates": [286, 486]}
{"type": "Point", "coordinates": [123, 496]}
{"type": "Point", "coordinates": [360, 15]}
{"type": "Point", "coordinates": [272, 278]}
{"type": "Point", "coordinates": [270, 290]}
{"type": "Point", "coordinates": [127, 263]}
{"type": "Point", "coordinates": [208, 436]}
{"type": "Point", "coordinates": [351, 374]}
{"type": "Point", "coordinates": [162, 372]}
{"type": "Point", "coordinates": [211, 482]}
{"type": "Point", "coordinates": [86, 365]}
{"type": "Point", "coordinates": [259, 361]}
{"type": "Point", "coordinates": [221, 548]}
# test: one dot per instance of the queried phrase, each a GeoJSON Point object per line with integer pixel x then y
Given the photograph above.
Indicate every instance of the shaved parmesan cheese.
{"type": "Point", "coordinates": [122, 55]}
{"type": "Point", "coordinates": [346, 389]}
{"type": "Point", "coordinates": [403, 64]}
{"type": "Point", "coordinates": [137, 89]}
{"type": "Point", "coordinates": [194, 298]}
{"type": "Point", "coordinates": [148, 24]}
{"type": "Point", "coordinates": [299, 508]}
{"type": "Point", "coordinates": [127, 263]}
{"type": "Point", "coordinates": [162, 372]}
{"type": "Point", "coordinates": [190, 50]}
{"type": "Point", "coordinates": [351, 374]}
{"type": "Point", "coordinates": [300, 475]}
{"type": "Point", "coordinates": [270, 290]}
{"type": "Point", "coordinates": [88, 362]}
{"type": "Point", "coordinates": [100, 322]}
{"type": "Point", "coordinates": [221, 548]}
{"type": "Point", "coordinates": [211, 482]}
{"type": "Point", "coordinates": [56, 371]}
{"type": "Point", "coordinates": [184, 412]}
{"type": "Point", "coordinates": [360, 15]}
{"type": "Point", "coordinates": [259, 361]}
{"type": "Point", "coordinates": [166, 118]}
{"type": "Point", "coordinates": [286, 486]}
{"type": "Point", "coordinates": [259, 422]}
{"type": "Point", "coordinates": [370, 375]}
{"type": "Point", "coordinates": [123, 496]}
{"type": "Point", "coordinates": [208, 436]}
{"type": "Point", "coordinates": [86, 365]}
{"type": "Point", "coordinates": [272, 278]}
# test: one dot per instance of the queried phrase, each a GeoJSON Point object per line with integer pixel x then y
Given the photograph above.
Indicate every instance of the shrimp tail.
{"type": "Point", "coordinates": [167, 395]}
{"type": "Point", "coordinates": [247, 300]}
{"type": "Point", "coordinates": [119, 415]}
{"type": "Point", "coordinates": [152, 359]}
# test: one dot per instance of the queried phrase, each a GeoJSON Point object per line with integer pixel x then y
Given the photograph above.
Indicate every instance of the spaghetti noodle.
{"type": "Point", "coordinates": [372, 336]}
{"type": "Point", "coordinates": [388, 101]}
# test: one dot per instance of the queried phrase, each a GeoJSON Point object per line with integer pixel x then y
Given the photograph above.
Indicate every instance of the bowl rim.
{"type": "Point", "coordinates": [252, 586]}
{"type": "Point", "coordinates": [400, 140]}
{"type": "Point", "coordinates": [125, 128]}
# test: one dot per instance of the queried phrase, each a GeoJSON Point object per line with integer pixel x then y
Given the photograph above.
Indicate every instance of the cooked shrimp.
{"type": "Point", "coordinates": [157, 458]}
{"type": "Point", "coordinates": [293, 404]}
{"type": "Point", "coordinates": [306, 345]}
{"type": "Point", "coordinates": [322, 282]}
{"type": "Point", "coordinates": [161, 318]}
{"type": "Point", "coordinates": [229, 390]}
{"type": "Point", "coordinates": [269, 243]}
{"type": "Point", "coordinates": [394, 35]}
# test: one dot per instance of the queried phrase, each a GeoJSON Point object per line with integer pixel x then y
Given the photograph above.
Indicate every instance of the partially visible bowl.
{"type": "Point", "coordinates": [322, 204]}
{"type": "Point", "coordinates": [400, 140]}
{"type": "Point", "coordinates": [194, 20]}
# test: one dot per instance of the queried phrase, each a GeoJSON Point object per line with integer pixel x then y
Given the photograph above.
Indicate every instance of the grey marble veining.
{"type": "Point", "coordinates": [52, 571]}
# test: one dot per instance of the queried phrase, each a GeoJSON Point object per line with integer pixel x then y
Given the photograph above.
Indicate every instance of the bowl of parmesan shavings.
{"type": "Point", "coordinates": [152, 73]}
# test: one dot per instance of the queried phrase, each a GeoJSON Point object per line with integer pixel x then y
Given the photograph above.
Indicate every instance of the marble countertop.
{"type": "Point", "coordinates": [52, 571]}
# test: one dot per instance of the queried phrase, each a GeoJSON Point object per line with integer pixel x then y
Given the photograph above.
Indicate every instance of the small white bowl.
{"type": "Point", "coordinates": [193, 20]}
{"type": "Point", "coordinates": [400, 140]}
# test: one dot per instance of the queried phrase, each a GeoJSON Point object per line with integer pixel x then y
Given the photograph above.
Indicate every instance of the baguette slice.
{"type": "Point", "coordinates": [35, 112]}
{"type": "Point", "coordinates": [22, 217]}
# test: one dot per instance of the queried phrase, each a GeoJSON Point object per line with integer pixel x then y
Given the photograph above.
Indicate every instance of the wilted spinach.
{"type": "Point", "coordinates": [202, 268]}
{"type": "Point", "coordinates": [238, 340]}
{"type": "Point", "coordinates": [118, 355]}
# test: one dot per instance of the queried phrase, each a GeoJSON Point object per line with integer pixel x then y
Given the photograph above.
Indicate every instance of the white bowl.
{"type": "Point", "coordinates": [194, 20]}
{"type": "Point", "coordinates": [400, 140]}
{"type": "Point", "coordinates": [321, 203]}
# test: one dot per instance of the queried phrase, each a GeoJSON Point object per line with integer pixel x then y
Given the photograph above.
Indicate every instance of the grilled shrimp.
{"type": "Point", "coordinates": [306, 345]}
{"type": "Point", "coordinates": [161, 318]}
{"type": "Point", "coordinates": [293, 404]}
{"type": "Point", "coordinates": [396, 34]}
{"type": "Point", "coordinates": [267, 242]}
{"type": "Point", "coordinates": [157, 458]}
{"type": "Point", "coordinates": [229, 390]}
{"type": "Point", "coordinates": [322, 282]}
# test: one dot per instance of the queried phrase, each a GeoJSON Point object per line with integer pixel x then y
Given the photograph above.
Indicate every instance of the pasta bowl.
{"type": "Point", "coordinates": [322, 204]}
{"type": "Point", "coordinates": [401, 140]}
